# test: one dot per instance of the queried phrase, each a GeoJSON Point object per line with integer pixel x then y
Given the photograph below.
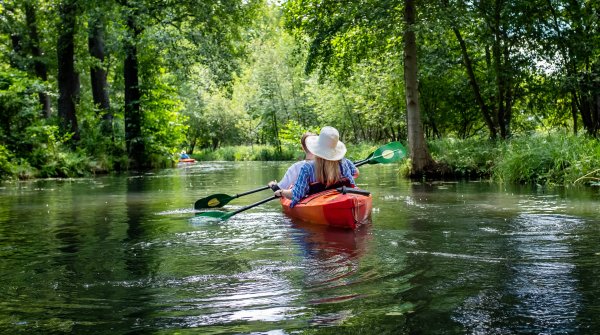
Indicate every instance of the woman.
{"type": "Point", "coordinates": [292, 172]}
{"type": "Point", "coordinates": [329, 169]}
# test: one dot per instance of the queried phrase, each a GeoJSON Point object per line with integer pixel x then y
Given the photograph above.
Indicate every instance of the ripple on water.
{"type": "Point", "coordinates": [541, 292]}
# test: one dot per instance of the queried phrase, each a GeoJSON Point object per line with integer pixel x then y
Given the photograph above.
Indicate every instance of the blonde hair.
{"type": "Point", "coordinates": [326, 171]}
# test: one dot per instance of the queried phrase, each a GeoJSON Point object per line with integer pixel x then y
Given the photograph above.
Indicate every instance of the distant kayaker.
{"type": "Point", "coordinates": [184, 155]}
{"type": "Point", "coordinates": [293, 171]}
{"type": "Point", "coordinates": [329, 168]}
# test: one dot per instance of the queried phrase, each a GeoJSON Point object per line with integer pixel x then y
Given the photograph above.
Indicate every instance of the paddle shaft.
{"type": "Point", "coordinates": [250, 192]}
{"type": "Point", "coordinates": [250, 206]}
{"type": "Point", "coordinates": [219, 200]}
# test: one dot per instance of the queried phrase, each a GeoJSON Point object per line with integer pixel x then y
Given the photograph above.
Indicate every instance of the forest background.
{"type": "Point", "coordinates": [503, 89]}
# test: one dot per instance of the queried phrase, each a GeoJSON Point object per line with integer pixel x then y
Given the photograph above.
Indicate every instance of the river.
{"type": "Point", "coordinates": [127, 255]}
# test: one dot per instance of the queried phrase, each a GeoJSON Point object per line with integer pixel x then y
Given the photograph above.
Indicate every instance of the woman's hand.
{"type": "Point", "coordinates": [273, 185]}
{"type": "Point", "coordinates": [283, 193]}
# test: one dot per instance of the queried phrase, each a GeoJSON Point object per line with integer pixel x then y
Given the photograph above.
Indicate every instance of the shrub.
{"type": "Point", "coordinates": [470, 157]}
{"type": "Point", "coordinates": [7, 169]}
{"type": "Point", "coordinates": [541, 158]}
{"type": "Point", "coordinates": [247, 153]}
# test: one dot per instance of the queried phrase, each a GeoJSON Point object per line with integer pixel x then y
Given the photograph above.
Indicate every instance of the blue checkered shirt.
{"type": "Point", "coordinates": [307, 176]}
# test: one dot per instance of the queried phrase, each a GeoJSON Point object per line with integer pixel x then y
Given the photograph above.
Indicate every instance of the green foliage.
{"type": "Point", "coordinates": [164, 127]}
{"type": "Point", "coordinates": [553, 158]}
{"type": "Point", "coordinates": [6, 167]}
{"type": "Point", "coordinates": [545, 159]}
{"type": "Point", "coordinates": [18, 107]}
{"type": "Point", "coordinates": [292, 132]}
{"type": "Point", "coordinates": [224, 74]}
{"type": "Point", "coordinates": [269, 153]}
{"type": "Point", "coordinates": [248, 153]}
{"type": "Point", "coordinates": [51, 155]}
{"type": "Point", "coordinates": [470, 157]}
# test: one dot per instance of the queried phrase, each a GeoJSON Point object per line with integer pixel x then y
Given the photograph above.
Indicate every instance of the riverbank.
{"type": "Point", "coordinates": [543, 159]}
{"type": "Point", "coordinates": [270, 153]}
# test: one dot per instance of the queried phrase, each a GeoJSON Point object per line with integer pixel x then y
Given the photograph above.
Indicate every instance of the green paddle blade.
{"type": "Point", "coordinates": [213, 201]}
{"type": "Point", "coordinates": [389, 153]}
{"type": "Point", "coordinates": [226, 215]}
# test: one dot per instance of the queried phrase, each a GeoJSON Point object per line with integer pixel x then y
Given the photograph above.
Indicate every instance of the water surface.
{"type": "Point", "coordinates": [116, 255]}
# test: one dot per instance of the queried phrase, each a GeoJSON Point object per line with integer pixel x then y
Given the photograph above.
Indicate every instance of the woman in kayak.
{"type": "Point", "coordinates": [293, 171]}
{"type": "Point", "coordinates": [328, 170]}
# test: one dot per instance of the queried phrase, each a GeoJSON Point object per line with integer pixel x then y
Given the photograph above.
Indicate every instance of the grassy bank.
{"type": "Point", "coordinates": [545, 159]}
{"type": "Point", "coordinates": [270, 153]}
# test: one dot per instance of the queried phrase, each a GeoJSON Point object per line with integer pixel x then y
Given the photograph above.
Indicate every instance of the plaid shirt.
{"type": "Point", "coordinates": [307, 176]}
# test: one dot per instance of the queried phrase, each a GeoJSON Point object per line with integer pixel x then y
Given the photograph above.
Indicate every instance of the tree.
{"type": "Point", "coordinates": [343, 33]}
{"type": "Point", "coordinates": [421, 159]}
{"type": "Point", "coordinates": [568, 37]}
{"type": "Point", "coordinates": [68, 78]}
{"type": "Point", "coordinates": [98, 73]}
{"type": "Point", "coordinates": [133, 115]}
{"type": "Point", "coordinates": [491, 41]}
{"type": "Point", "coordinates": [186, 32]}
{"type": "Point", "coordinates": [39, 65]}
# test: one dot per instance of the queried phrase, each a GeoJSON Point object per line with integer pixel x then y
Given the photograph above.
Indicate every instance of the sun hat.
{"type": "Point", "coordinates": [327, 145]}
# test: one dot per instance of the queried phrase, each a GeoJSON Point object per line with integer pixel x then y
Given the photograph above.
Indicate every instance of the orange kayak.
{"type": "Point", "coordinates": [334, 208]}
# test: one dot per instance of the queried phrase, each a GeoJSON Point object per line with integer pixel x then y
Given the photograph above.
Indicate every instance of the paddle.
{"type": "Point", "coordinates": [220, 200]}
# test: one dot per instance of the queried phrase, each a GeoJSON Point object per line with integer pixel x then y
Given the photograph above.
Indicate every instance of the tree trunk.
{"type": "Point", "coordinates": [41, 70]}
{"type": "Point", "coordinates": [68, 79]}
{"type": "Point", "coordinates": [421, 159]}
{"type": "Point", "coordinates": [574, 110]}
{"type": "Point", "coordinates": [485, 110]}
{"type": "Point", "coordinates": [475, 86]}
{"type": "Point", "coordinates": [98, 75]}
{"type": "Point", "coordinates": [133, 114]}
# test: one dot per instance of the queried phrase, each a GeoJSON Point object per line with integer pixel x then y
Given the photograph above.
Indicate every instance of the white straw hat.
{"type": "Point", "coordinates": [327, 145]}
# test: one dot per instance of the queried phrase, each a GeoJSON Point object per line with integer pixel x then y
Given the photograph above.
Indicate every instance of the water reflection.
{"type": "Point", "coordinates": [331, 268]}
{"type": "Point", "coordinates": [330, 255]}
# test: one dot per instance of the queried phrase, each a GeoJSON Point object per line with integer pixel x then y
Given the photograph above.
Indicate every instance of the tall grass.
{"type": "Point", "coordinates": [545, 159]}
{"type": "Point", "coordinates": [466, 158]}
{"type": "Point", "coordinates": [248, 153]}
{"type": "Point", "coordinates": [270, 153]}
